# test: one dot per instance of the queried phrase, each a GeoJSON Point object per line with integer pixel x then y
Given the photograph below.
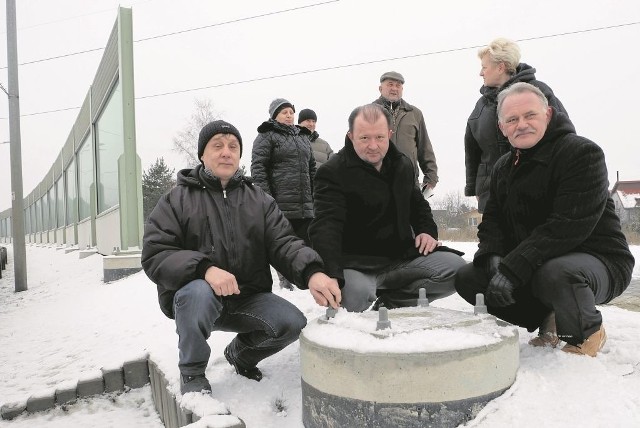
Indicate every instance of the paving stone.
{"type": "Point", "coordinates": [90, 386]}
{"type": "Point", "coordinates": [136, 373]}
{"type": "Point", "coordinates": [66, 395]}
{"type": "Point", "coordinates": [38, 403]}
{"type": "Point", "coordinates": [184, 416]}
{"type": "Point", "coordinates": [113, 379]}
{"type": "Point", "coordinates": [172, 421]}
{"type": "Point", "coordinates": [12, 410]}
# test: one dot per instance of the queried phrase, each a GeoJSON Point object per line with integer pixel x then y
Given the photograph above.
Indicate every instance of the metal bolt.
{"type": "Point", "coordinates": [331, 312]}
{"type": "Point", "coordinates": [423, 302]}
{"type": "Point", "coordinates": [480, 307]}
{"type": "Point", "coordinates": [383, 319]}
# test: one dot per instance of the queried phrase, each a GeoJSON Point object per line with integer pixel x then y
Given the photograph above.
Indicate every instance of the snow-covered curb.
{"type": "Point", "coordinates": [198, 411]}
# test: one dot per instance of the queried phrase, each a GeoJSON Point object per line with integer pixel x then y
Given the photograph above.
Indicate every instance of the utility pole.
{"type": "Point", "coordinates": [17, 202]}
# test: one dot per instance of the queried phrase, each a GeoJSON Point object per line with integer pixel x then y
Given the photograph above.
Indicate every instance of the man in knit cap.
{"type": "Point", "coordinates": [208, 245]}
{"type": "Point", "coordinates": [321, 149]}
{"type": "Point", "coordinates": [409, 130]}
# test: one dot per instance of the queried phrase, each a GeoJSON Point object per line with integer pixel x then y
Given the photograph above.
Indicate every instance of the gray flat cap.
{"type": "Point", "coordinates": [393, 75]}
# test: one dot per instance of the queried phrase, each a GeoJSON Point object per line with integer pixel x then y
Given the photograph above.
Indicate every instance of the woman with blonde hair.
{"type": "Point", "coordinates": [483, 140]}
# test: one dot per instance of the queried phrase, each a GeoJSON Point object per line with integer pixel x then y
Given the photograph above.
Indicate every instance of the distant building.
{"type": "Point", "coordinates": [626, 197]}
{"type": "Point", "coordinates": [473, 218]}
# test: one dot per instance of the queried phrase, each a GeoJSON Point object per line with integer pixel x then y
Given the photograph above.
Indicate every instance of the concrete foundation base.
{"type": "Point", "coordinates": [320, 408]}
{"type": "Point", "coordinates": [430, 367]}
{"type": "Point", "coordinates": [119, 266]}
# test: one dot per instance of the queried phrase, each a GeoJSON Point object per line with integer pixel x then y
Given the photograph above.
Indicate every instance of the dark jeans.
{"type": "Point", "coordinates": [265, 324]}
{"type": "Point", "coordinates": [570, 285]}
{"type": "Point", "coordinates": [399, 282]}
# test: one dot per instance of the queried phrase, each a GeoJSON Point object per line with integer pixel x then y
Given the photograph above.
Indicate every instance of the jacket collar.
{"type": "Point", "coordinates": [274, 125]}
{"type": "Point", "coordinates": [389, 105]}
{"type": "Point", "coordinates": [353, 160]}
{"type": "Point", "coordinates": [198, 177]}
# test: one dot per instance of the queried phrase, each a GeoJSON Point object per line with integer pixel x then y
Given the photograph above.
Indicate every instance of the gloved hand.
{"type": "Point", "coordinates": [500, 291]}
{"type": "Point", "coordinates": [491, 266]}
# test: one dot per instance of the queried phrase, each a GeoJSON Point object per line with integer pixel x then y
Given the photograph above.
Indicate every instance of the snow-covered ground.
{"type": "Point", "coordinates": [69, 324]}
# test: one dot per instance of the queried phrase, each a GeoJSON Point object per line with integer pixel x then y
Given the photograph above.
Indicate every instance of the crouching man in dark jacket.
{"type": "Point", "coordinates": [551, 247]}
{"type": "Point", "coordinates": [373, 228]}
{"type": "Point", "coordinates": [208, 245]}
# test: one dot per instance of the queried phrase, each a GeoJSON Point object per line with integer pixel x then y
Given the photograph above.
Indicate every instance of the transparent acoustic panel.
{"type": "Point", "coordinates": [60, 202]}
{"type": "Point", "coordinates": [85, 179]}
{"type": "Point", "coordinates": [110, 144]}
{"type": "Point", "coordinates": [72, 194]}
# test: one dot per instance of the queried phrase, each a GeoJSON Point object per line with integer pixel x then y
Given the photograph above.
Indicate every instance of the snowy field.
{"type": "Point", "coordinates": [69, 324]}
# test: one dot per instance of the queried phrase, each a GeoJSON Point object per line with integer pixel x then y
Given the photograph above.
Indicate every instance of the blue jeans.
{"type": "Point", "coordinates": [265, 324]}
{"type": "Point", "coordinates": [398, 283]}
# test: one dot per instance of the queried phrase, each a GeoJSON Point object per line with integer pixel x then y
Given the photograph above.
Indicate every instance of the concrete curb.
{"type": "Point", "coordinates": [133, 374]}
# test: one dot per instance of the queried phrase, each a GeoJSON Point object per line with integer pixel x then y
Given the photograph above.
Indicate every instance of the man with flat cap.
{"type": "Point", "coordinates": [409, 130]}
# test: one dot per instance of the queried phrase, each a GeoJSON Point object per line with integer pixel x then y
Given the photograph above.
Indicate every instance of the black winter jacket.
{"type": "Point", "coordinates": [365, 218]}
{"type": "Point", "coordinates": [555, 200]}
{"type": "Point", "coordinates": [282, 164]}
{"type": "Point", "coordinates": [240, 229]}
{"type": "Point", "coordinates": [484, 143]}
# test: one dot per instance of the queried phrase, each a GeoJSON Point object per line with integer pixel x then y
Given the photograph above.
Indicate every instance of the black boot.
{"type": "Point", "coordinates": [194, 383]}
{"type": "Point", "coordinates": [253, 373]}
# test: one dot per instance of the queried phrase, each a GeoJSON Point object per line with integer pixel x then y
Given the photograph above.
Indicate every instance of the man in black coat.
{"type": "Point", "coordinates": [208, 245]}
{"type": "Point", "coordinates": [373, 228]}
{"type": "Point", "coordinates": [551, 246]}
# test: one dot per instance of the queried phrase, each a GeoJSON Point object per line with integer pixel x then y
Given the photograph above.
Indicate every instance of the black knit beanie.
{"type": "Point", "coordinates": [307, 114]}
{"type": "Point", "coordinates": [213, 128]}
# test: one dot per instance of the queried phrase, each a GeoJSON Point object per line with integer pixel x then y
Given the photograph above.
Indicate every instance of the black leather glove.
{"type": "Point", "coordinates": [500, 291]}
{"type": "Point", "coordinates": [492, 263]}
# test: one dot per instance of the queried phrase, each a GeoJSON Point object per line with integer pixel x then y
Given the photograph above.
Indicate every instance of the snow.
{"type": "Point", "coordinates": [69, 324]}
{"type": "Point", "coordinates": [412, 330]}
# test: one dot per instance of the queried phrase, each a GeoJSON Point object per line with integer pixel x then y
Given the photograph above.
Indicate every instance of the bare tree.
{"type": "Point", "coordinates": [453, 206]}
{"type": "Point", "coordinates": [186, 142]}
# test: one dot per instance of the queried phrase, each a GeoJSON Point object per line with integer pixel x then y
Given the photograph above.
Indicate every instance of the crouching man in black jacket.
{"type": "Point", "coordinates": [551, 247]}
{"type": "Point", "coordinates": [373, 228]}
{"type": "Point", "coordinates": [208, 245]}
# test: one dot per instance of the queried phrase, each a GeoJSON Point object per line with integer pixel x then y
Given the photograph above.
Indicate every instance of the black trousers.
{"type": "Point", "coordinates": [570, 285]}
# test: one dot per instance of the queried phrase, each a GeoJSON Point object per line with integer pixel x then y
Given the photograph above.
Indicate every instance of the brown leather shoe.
{"type": "Point", "coordinates": [547, 334]}
{"type": "Point", "coordinates": [591, 346]}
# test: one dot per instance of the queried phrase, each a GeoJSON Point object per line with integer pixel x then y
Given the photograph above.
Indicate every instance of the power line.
{"type": "Point", "coordinates": [175, 33]}
{"type": "Point", "coordinates": [233, 21]}
{"type": "Point", "coordinates": [356, 64]}
{"type": "Point", "coordinates": [70, 18]}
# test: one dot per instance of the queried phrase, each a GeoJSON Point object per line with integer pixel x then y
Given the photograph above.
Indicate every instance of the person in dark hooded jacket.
{"type": "Point", "coordinates": [208, 245]}
{"type": "Point", "coordinates": [551, 246]}
{"type": "Point", "coordinates": [483, 141]}
{"type": "Point", "coordinates": [283, 165]}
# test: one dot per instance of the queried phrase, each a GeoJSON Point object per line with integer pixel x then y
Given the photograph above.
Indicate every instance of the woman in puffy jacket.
{"type": "Point", "coordinates": [283, 165]}
{"type": "Point", "coordinates": [483, 140]}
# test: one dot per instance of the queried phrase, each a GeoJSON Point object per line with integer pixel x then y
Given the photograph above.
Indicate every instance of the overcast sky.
{"type": "Point", "coordinates": [433, 44]}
